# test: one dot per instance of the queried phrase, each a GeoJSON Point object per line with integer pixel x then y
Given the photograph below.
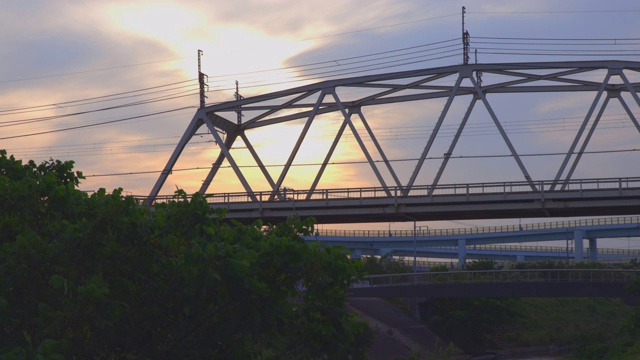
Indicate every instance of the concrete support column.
{"type": "Point", "coordinates": [578, 239]}
{"type": "Point", "coordinates": [520, 258]}
{"type": "Point", "coordinates": [593, 250]}
{"type": "Point", "coordinates": [356, 254]}
{"type": "Point", "coordinates": [462, 253]}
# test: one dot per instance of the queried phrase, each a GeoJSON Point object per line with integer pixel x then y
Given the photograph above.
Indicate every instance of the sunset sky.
{"type": "Point", "coordinates": [112, 85]}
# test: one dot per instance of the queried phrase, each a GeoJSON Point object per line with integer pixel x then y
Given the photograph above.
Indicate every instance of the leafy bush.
{"type": "Point", "coordinates": [103, 277]}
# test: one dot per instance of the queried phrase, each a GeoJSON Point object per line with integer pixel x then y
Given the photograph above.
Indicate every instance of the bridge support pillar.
{"type": "Point", "coordinates": [593, 250]}
{"type": "Point", "coordinates": [520, 258]}
{"type": "Point", "coordinates": [355, 253]}
{"type": "Point", "coordinates": [462, 253]}
{"type": "Point", "coordinates": [578, 239]}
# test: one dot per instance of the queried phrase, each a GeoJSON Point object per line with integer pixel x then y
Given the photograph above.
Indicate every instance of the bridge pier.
{"type": "Point", "coordinates": [593, 249]}
{"type": "Point", "coordinates": [578, 240]}
{"type": "Point", "coordinates": [462, 253]}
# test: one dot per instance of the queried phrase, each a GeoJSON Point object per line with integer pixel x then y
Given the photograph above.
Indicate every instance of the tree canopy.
{"type": "Point", "coordinates": [100, 276]}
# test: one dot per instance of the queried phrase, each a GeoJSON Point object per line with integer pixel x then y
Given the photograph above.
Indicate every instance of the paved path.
{"type": "Point", "coordinates": [397, 333]}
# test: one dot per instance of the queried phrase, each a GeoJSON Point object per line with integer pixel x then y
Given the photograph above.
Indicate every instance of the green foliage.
{"type": "Point", "coordinates": [632, 264]}
{"type": "Point", "coordinates": [550, 264]}
{"type": "Point", "coordinates": [469, 320]}
{"type": "Point", "coordinates": [482, 264]}
{"type": "Point", "coordinates": [102, 277]}
{"type": "Point", "coordinates": [387, 264]}
{"type": "Point", "coordinates": [546, 264]}
{"type": "Point", "coordinates": [439, 268]}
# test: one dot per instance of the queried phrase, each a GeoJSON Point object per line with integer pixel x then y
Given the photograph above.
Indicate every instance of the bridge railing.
{"type": "Point", "coordinates": [484, 229]}
{"type": "Point", "coordinates": [538, 249]}
{"type": "Point", "coordinates": [422, 190]}
{"type": "Point", "coordinates": [493, 276]}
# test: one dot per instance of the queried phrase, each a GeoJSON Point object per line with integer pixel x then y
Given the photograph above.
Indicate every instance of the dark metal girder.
{"type": "Point", "coordinates": [427, 208]}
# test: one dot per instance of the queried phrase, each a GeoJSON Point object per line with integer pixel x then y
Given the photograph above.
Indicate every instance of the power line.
{"type": "Point", "coordinates": [355, 162]}
{"type": "Point", "coordinates": [88, 71]}
{"type": "Point", "coordinates": [95, 124]}
{"type": "Point", "coordinates": [56, 117]}
{"type": "Point", "coordinates": [333, 62]}
{"type": "Point", "coordinates": [90, 100]}
{"type": "Point", "coordinates": [379, 27]}
{"type": "Point", "coordinates": [556, 12]}
{"type": "Point", "coordinates": [146, 91]}
{"type": "Point", "coordinates": [322, 70]}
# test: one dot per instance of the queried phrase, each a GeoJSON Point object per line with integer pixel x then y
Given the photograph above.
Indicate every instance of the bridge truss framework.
{"type": "Point", "coordinates": [336, 96]}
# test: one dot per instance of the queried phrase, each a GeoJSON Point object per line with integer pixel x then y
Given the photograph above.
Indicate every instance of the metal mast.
{"type": "Point", "coordinates": [201, 80]}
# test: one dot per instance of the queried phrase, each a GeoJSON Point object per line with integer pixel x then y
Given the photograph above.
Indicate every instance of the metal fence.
{"type": "Point", "coordinates": [483, 229]}
{"type": "Point", "coordinates": [548, 186]}
{"type": "Point", "coordinates": [495, 276]}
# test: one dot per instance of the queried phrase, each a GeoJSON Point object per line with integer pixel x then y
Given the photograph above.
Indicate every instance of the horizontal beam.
{"type": "Point", "coordinates": [572, 203]}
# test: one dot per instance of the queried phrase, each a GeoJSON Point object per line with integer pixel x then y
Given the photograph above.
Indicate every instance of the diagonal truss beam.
{"type": "Point", "coordinates": [454, 142]}
{"type": "Point", "coordinates": [327, 158]}
{"type": "Point", "coordinates": [258, 161]}
{"type": "Point", "coordinates": [378, 147]}
{"type": "Point", "coordinates": [432, 138]}
{"type": "Point", "coordinates": [629, 112]}
{"type": "Point", "coordinates": [294, 152]}
{"type": "Point", "coordinates": [194, 125]}
{"type": "Point", "coordinates": [279, 108]}
{"type": "Point", "coordinates": [503, 133]}
{"type": "Point", "coordinates": [630, 88]}
{"type": "Point", "coordinates": [366, 153]}
{"type": "Point", "coordinates": [572, 148]}
{"type": "Point", "coordinates": [228, 143]}
{"type": "Point", "coordinates": [583, 147]}
{"type": "Point", "coordinates": [227, 154]}
{"type": "Point", "coordinates": [528, 78]}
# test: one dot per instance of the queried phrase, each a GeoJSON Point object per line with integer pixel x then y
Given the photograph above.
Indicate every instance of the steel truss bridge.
{"type": "Point", "coordinates": [351, 99]}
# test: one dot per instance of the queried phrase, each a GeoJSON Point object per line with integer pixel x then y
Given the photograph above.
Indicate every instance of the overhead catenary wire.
{"type": "Point", "coordinates": [144, 92]}
{"type": "Point", "coordinates": [355, 162]}
{"type": "Point", "coordinates": [544, 46]}
{"type": "Point", "coordinates": [367, 62]}
{"type": "Point", "coordinates": [97, 99]}
{"type": "Point", "coordinates": [96, 124]}
{"type": "Point", "coordinates": [314, 71]}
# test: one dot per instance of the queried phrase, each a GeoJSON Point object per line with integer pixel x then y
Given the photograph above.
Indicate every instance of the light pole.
{"type": "Point", "coordinates": [415, 268]}
{"type": "Point", "coordinates": [414, 240]}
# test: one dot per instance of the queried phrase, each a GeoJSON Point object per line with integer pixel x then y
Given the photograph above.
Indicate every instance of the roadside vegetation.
{"type": "Point", "coordinates": [100, 277]}
{"type": "Point", "coordinates": [586, 328]}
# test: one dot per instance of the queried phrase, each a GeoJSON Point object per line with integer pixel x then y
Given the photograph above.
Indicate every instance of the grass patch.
{"type": "Point", "coordinates": [567, 321]}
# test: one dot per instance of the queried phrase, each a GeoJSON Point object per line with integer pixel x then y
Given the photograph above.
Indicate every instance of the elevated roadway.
{"type": "Point", "coordinates": [467, 242]}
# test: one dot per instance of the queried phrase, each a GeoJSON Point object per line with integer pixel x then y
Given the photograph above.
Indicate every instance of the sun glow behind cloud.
{"type": "Point", "coordinates": [228, 48]}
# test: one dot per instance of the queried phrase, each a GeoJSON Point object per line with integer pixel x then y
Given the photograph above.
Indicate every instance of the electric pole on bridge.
{"type": "Point", "coordinates": [201, 80]}
{"type": "Point", "coordinates": [465, 41]}
{"type": "Point", "coordinates": [238, 97]}
{"type": "Point", "coordinates": [466, 45]}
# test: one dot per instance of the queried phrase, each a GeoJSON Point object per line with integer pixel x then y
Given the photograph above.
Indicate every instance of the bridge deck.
{"type": "Point", "coordinates": [586, 197]}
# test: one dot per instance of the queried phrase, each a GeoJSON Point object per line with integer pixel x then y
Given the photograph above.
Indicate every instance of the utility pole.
{"type": "Point", "coordinates": [465, 41]}
{"type": "Point", "coordinates": [478, 73]}
{"type": "Point", "coordinates": [201, 80]}
{"type": "Point", "coordinates": [238, 97]}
